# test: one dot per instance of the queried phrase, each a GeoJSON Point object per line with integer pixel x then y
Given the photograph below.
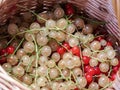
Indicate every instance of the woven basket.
{"type": "Point", "coordinates": [116, 5]}
{"type": "Point", "coordinates": [99, 9]}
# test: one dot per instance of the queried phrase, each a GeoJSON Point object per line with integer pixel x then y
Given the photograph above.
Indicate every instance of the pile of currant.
{"type": "Point", "coordinates": [57, 50]}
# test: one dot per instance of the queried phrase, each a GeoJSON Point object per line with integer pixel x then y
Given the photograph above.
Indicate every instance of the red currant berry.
{"type": "Point", "coordinates": [61, 50]}
{"type": "Point", "coordinates": [77, 55]}
{"type": "Point", "coordinates": [3, 52]}
{"type": "Point", "coordinates": [86, 60]}
{"type": "Point", "coordinates": [3, 60]}
{"type": "Point", "coordinates": [86, 68]}
{"type": "Point", "coordinates": [118, 64]}
{"type": "Point", "coordinates": [69, 9]}
{"type": "Point", "coordinates": [76, 50]}
{"type": "Point", "coordinates": [88, 77]}
{"type": "Point", "coordinates": [10, 49]}
{"type": "Point", "coordinates": [91, 71]}
{"type": "Point", "coordinates": [115, 69]}
{"type": "Point", "coordinates": [99, 38]}
{"type": "Point", "coordinates": [66, 45]}
{"type": "Point", "coordinates": [76, 89]}
{"type": "Point", "coordinates": [97, 71]}
{"type": "Point", "coordinates": [113, 76]}
{"type": "Point", "coordinates": [109, 44]}
{"type": "Point", "coordinates": [102, 48]}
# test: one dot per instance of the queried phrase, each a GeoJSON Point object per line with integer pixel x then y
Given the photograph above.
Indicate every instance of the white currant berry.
{"type": "Point", "coordinates": [104, 67]}
{"type": "Point", "coordinates": [44, 31]}
{"type": "Point", "coordinates": [93, 86]}
{"type": "Point", "coordinates": [114, 61]}
{"type": "Point", "coordinates": [29, 47]}
{"type": "Point", "coordinates": [62, 23]}
{"type": "Point", "coordinates": [51, 63]}
{"type": "Point", "coordinates": [111, 54]}
{"type": "Point", "coordinates": [50, 24]}
{"type": "Point", "coordinates": [42, 70]}
{"type": "Point", "coordinates": [43, 60]}
{"type": "Point", "coordinates": [82, 82]}
{"type": "Point", "coordinates": [55, 56]}
{"type": "Point", "coordinates": [46, 50]}
{"type": "Point", "coordinates": [93, 62]}
{"type": "Point", "coordinates": [60, 36]}
{"type": "Point", "coordinates": [25, 60]}
{"type": "Point", "coordinates": [86, 52]}
{"type": "Point", "coordinates": [102, 56]}
{"type": "Point", "coordinates": [103, 42]}
{"type": "Point", "coordinates": [71, 28]}
{"type": "Point", "coordinates": [95, 45]}
{"type": "Point", "coordinates": [54, 73]}
{"type": "Point", "coordinates": [76, 61]}
{"type": "Point", "coordinates": [42, 81]}
{"type": "Point", "coordinates": [41, 40]}
{"type": "Point", "coordinates": [73, 42]}
{"type": "Point", "coordinates": [35, 27]}
{"type": "Point", "coordinates": [103, 81]}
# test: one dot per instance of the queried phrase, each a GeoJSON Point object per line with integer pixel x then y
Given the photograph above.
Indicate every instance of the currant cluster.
{"type": "Point", "coordinates": [52, 51]}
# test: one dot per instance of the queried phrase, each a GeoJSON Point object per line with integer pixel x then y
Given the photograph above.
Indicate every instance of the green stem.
{"type": "Point", "coordinates": [70, 34]}
{"type": "Point", "coordinates": [60, 78]}
{"type": "Point", "coordinates": [18, 46]}
{"type": "Point", "coordinates": [63, 46]}
{"type": "Point", "coordinates": [110, 71]}
{"type": "Point", "coordinates": [3, 55]}
{"type": "Point", "coordinates": [48, 76]}
{"type": "Point", "coordinates": [107, 86]}
{"type": "Point", "coordinates": [81, 60]}
{"type": "Point", "coordinates": [29, 65]}
{"type": "Point", "coordinates": [61, 73]}
{"type": "Point", "coordinates": [58, 29]}
{"type": "Point", "coordinates": [67, 18]}
{"type": "Point", "coordinates": [29, 31]}
{"type": "Point", "coordinates": [76, 82]}
{"type": "Point", "coordinates": [100, 60]}
{"type": "Point", "coordinates": [19, 63]}
{"type": "Point", "coordinates": [32, 75]}
{"type": "Point", "coordinates": [94, 21]}
{"type": "Point", "coordinates": [70, 76]}
{"type": "Point", "coordinates": [97, 76]}
{"type": "Point", "coordinates": [2, 37]}
{"type": "Point", "coordinates": [37, 57]}
{"type": "Point", "coordinates": [31, 12]}
{"type": "Point", "coordinates": [11, 40]}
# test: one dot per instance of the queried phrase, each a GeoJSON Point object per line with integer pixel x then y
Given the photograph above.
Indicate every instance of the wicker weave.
{"type": "Point", "coordinates": [116, 5]}
{"type": "Point", "coordinates": [99, 9]}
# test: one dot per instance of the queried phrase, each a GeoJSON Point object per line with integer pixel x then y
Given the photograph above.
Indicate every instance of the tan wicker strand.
{"type": "Point", "coordinates": [116, 5]}
{"type": "Point", "coordinates": [9, 82]}
{"type": "Point", "coordinates": [104, 11]}
{"type": "Point", "coordinates": [118, 10]}
{"type": "Point", "coordinates": [100, 9]}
